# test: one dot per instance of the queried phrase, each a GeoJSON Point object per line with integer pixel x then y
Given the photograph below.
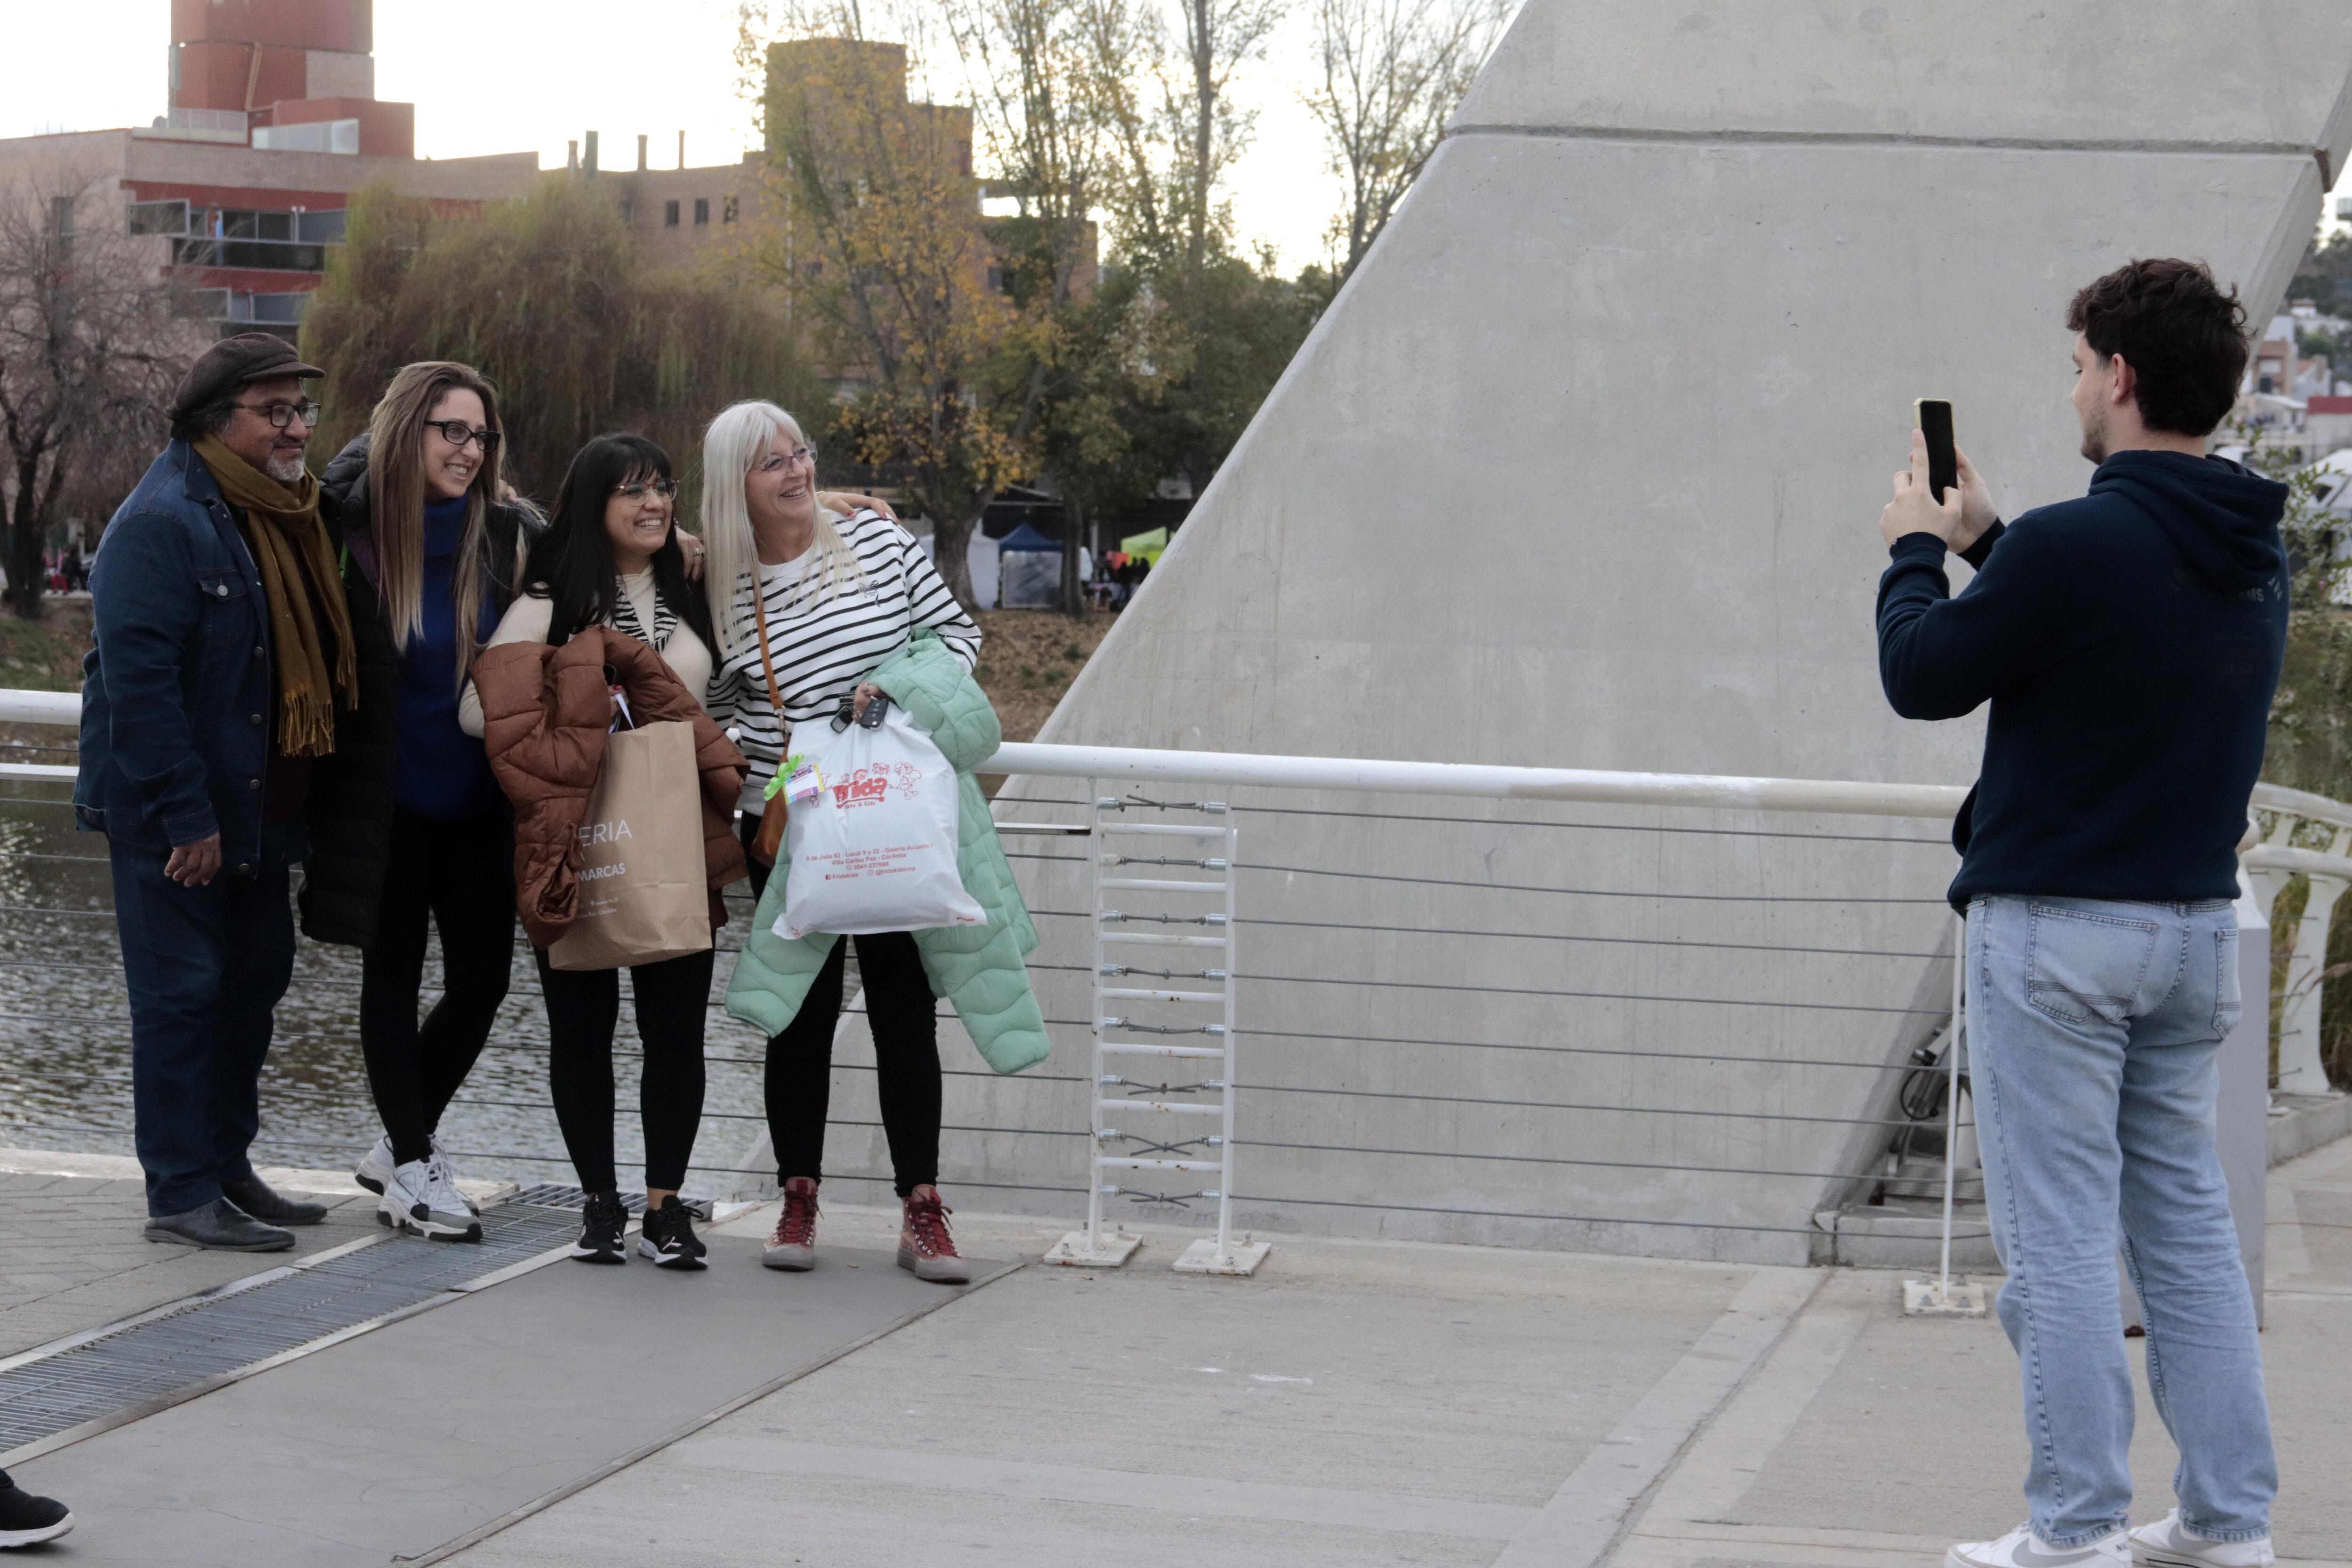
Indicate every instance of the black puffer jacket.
{"type": "Point", "coordinates": [351, 792]}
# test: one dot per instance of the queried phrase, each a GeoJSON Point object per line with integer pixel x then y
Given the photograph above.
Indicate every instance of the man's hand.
{"type": "Point", "coordinates": [193, 864]}
{"type": "Point", "coordinates": [1915, 510]}
{"type": "Point", "coordinates": [1977, 512]}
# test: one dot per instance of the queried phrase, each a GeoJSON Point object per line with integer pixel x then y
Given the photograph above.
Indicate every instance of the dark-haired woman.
{"type": "Point", "coordinates": [409, 829]}
{"type": "Point", "coordinates": [611, 557]}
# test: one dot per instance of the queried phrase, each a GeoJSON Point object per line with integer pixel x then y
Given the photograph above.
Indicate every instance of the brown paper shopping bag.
{"type": "Point", "coordinates": [643, 895]}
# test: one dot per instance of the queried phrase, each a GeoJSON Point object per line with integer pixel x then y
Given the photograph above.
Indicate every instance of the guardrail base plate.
{"type": "Point", "coordinates": [1930, 1299]}
{"type": "Point", "coordinates": [1072, 1252]}
{"type": "Point", "coordinates": [1241, 1257]}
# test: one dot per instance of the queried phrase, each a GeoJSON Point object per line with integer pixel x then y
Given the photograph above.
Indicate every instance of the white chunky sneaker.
{"type": "Point", "coordinates": [376, 1168]}
{"type": "Point", "coordinates": [2166, 1544]}
{"type": "Point", "coordinates": [449, 1173]}
{"type": "Point", "coordinates": [417, 1199]}
{"type": "Point", "coordinates": [2021, 1547]}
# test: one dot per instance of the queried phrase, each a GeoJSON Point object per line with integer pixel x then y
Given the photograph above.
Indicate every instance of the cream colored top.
{"type": "Point", "coordinates": [528, 618]}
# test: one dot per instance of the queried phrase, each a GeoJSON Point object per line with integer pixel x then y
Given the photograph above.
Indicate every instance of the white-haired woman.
{"type": "Point", "coordinates": [836, 594]}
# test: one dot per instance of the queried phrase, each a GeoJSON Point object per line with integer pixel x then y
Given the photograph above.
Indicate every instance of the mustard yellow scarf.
{"type": "Point", "coordinates": [299, 580]}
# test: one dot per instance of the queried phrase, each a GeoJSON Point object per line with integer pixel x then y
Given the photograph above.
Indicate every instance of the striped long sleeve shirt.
{"type": "Point", "coordinates": [824, 646]}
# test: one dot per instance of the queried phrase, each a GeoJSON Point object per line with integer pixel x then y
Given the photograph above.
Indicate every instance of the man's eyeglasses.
{"type": "Point", "coordinates": [776, 462]}
{"type": "Point", "coordinates": [281, 414]}
{"type": "Point", "coordinates": [664, 489]}
{"type": "Point", "coordinates": [456, 432]}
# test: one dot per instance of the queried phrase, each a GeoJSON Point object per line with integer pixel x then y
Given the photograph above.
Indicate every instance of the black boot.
{"type": "Point", "coordinates": [265, 1204]}
{"type": "Point", "coordinates": [220, 1225]}
{"type": "Point", "coordinates": [25, 1519]}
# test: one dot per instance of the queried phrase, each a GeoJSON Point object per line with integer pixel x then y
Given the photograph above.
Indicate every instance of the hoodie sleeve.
{"type": "Point", "coordinates": [1940, 656]}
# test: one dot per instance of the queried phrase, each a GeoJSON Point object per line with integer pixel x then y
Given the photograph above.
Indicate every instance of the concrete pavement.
{"type": "Point", "coordinates": [1364, 1403]}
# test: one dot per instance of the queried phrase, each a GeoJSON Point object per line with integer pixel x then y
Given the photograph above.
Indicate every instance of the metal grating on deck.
{"type": "Point", "coordinates": [209, 1338]}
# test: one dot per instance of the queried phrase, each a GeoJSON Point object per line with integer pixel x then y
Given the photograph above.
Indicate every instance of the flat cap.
{"type": "Point", "coordinates": [232, 363]}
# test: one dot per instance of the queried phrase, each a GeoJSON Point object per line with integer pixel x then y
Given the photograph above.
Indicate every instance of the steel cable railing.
{"type": "Point", "coordinates": [1387, 1090]}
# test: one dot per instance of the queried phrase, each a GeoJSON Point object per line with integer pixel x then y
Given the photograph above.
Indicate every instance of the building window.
{"type": "Point", "coordinates": [727, 214]}
{"type": "Point", "coordinates": [669, 215]}
{"type": "Point", "coordinates": [61, 224]}
{"type": "Point", "coordinates": [701, 211]}
{"type": "Point", "coordinates": [629, 214]}
{"type": "Point", "coordinates": [161, 217]}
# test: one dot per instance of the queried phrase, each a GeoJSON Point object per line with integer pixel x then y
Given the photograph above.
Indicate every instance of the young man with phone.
{"type": "Point", "coordinates": [2129, 643]}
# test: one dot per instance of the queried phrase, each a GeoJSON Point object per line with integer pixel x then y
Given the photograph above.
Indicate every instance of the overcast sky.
{"type": "Point", "coordinates": [499, 75]}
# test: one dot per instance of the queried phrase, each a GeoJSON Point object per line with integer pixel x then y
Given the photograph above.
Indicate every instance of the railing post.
{"type": "Point", "coordinates": [1944, 1295]}
{"type": "Point", "coordinates": [2300, 1070]}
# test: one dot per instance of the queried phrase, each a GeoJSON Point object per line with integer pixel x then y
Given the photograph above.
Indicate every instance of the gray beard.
{"type": "Point", "coordinates": [285, 470]}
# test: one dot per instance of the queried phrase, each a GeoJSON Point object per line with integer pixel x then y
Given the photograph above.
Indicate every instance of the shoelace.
{"type": "Point", "coordinates": [606, 1219]}
{"type": "Point", "coordinates": [797, 1228]}
{"type": "Point", "coordinates": [926, 1217]}
{"type": "Point", "coordinates": [677, 1229]}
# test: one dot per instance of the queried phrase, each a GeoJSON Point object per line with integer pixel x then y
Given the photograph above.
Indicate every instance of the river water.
{"type": "Point", "coordinates": [65, 1035]}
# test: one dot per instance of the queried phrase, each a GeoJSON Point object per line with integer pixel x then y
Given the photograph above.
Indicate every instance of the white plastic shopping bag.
{"type": "Point", "coordinates": [872, 846]}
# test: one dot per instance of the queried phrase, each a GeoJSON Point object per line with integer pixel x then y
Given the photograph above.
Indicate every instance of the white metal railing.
{"type": "Point", "coordinates": [2295, 822]}
{"type": "Point", "coordinates": [2308, 835]}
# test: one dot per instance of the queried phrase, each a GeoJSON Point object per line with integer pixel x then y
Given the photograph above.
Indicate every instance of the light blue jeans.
{"type": "Point", "coordinates": [2093, 1029]}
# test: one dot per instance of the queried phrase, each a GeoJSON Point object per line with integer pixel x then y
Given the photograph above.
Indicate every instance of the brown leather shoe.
{"type": "Point", "coordinates": [793, 1247]}
{"type": "Point", "coordinates": [924, 1245]}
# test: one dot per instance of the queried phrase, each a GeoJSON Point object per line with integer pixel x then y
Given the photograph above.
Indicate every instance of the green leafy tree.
{"type": "Point", "coordinates": [550, 297]}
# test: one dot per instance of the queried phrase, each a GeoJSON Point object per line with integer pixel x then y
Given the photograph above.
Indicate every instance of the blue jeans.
{"type": "Point", "coordinates": [205, 967]}
{"type": "Point", "coordinates": [2094, 1030]}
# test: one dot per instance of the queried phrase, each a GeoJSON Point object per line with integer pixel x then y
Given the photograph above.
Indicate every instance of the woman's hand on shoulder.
{"type": "Point", "coordinates": [691, 546]}
{"type": "Point", "coordinates": [848, 501]}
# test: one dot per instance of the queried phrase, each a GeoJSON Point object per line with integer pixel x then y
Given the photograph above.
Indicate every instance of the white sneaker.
{"type": "Point", "coordinates": [2165, 1544]}
{"type": "Point", "coordinates": [2021, 1547]}
{"type": "Point", "coordinates": [449, 1173]}
{"type": "Point", "coordinates": [418, 1198]}
{"type": "Point", "coordinates": [376, 1168]}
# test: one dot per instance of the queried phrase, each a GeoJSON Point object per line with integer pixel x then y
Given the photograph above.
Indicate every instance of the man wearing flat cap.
{"type": "Point", "coordinates": [223, 650]}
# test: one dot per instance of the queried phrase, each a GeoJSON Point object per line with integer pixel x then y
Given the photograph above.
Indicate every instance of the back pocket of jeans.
{"type": "Point", "coordinates": [2229, 1002]}
{"type": "Point", "coordinates": [2081, 965]}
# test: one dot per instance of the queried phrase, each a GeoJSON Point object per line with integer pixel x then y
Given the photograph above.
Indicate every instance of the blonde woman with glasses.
{"type": "Point", "coordinates": [409, 829]}
{"type": "Point", "coordinates": [806, 600]}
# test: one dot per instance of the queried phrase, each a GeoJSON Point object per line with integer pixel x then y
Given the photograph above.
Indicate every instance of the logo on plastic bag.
{"type": "Point", "coordinates": [872, 784]}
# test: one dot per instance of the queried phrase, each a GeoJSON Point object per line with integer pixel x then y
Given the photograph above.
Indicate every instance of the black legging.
{"type": "Point", "coordinates": [584, 1007]}
{"type": "Point", "coordinates": [901, 1009]}
{"type": "Point", "coordinates": [461, 876]}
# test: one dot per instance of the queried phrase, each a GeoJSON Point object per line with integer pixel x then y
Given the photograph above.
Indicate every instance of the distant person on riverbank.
{"type": "Point", "coordinates": [223, 656]}
{"type": "Point", "coordinates": [409, 833]}
{"type": "Point", "coordinates": [2129, 643]}
{"type": "Point", "coordinates": [612, 558]}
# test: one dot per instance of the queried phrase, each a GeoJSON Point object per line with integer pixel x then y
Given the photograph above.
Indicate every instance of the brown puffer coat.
{"type": "Point", "coordinates": [545, 714]}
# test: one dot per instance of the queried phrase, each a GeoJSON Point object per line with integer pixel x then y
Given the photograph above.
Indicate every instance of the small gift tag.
{"type": "Point", "coordinates": [802, 781]}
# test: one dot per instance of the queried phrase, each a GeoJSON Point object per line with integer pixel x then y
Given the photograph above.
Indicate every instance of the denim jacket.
{"type": "Point", "coordinates": [175, 694]}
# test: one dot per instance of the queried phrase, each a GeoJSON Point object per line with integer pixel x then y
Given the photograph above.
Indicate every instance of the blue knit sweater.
{"type": "Point", "coordinates": [443, 773]}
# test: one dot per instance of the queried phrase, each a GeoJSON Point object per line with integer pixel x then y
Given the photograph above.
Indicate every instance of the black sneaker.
{"type": "Point", "coordinates": [601, 1225]}
{"type": "Point", "coordinates": [26, 1520]}
{"type": "Point", "coordinates": [667, 1236]}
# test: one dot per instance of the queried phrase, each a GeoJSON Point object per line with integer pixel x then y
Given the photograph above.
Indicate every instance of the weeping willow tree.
{"type": "Point", "coordinates": [550, 298]}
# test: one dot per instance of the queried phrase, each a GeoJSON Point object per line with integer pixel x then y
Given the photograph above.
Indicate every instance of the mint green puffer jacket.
{"type": "Point", "coordinates": [978, 968]}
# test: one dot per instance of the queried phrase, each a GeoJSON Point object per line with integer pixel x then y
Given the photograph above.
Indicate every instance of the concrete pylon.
{"type": "Point", "coordinates": [1582, 469]}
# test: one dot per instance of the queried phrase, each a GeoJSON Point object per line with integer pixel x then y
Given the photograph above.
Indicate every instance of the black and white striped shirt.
{"type": "Point", "coordinates": [824, 648]}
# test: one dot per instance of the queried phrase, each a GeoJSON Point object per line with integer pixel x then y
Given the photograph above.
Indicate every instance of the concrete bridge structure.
{"type": "Point", "coordinates": [1581, 470]}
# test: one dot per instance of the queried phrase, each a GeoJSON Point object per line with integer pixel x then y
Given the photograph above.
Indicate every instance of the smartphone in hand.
{"type": "Point", "coordinates": [1935, 419]}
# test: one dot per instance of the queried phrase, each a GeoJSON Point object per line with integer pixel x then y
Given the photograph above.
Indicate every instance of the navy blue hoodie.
{"type": "Point", "coordinates": [2129, 643]}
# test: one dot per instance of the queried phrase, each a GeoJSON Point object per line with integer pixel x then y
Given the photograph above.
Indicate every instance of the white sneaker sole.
{"type": "Point", "coordinates": [680, 1260]}
{"type": "Point", "coordinates": [791, 1259]}
{"type": "Point", "coordinates": [937, 1271]}
{"type": "Point", "coordinates": [431, 1229]}
{"type": "Point", "coordinates": [11, 1538]}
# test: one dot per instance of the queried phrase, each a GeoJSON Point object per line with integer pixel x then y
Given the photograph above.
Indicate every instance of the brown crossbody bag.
{"type": "Point", "coordinates": [772, 820]}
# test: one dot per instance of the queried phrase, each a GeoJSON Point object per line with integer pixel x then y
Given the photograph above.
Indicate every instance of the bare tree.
{"type": "Point", "coordinates": [90, 347]}
{"type": "Point", "coordinates": [1393, 73]}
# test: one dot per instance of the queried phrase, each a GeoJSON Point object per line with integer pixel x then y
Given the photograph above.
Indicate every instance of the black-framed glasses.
{"type": "Point", "coordinates": [281, 414]}
{"type": "Point", "coordinates": [664, 489]}
{"type": "Point", "coordinates": [776, 461]}
{"type": "Point", "coordinates": [456, 432]}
